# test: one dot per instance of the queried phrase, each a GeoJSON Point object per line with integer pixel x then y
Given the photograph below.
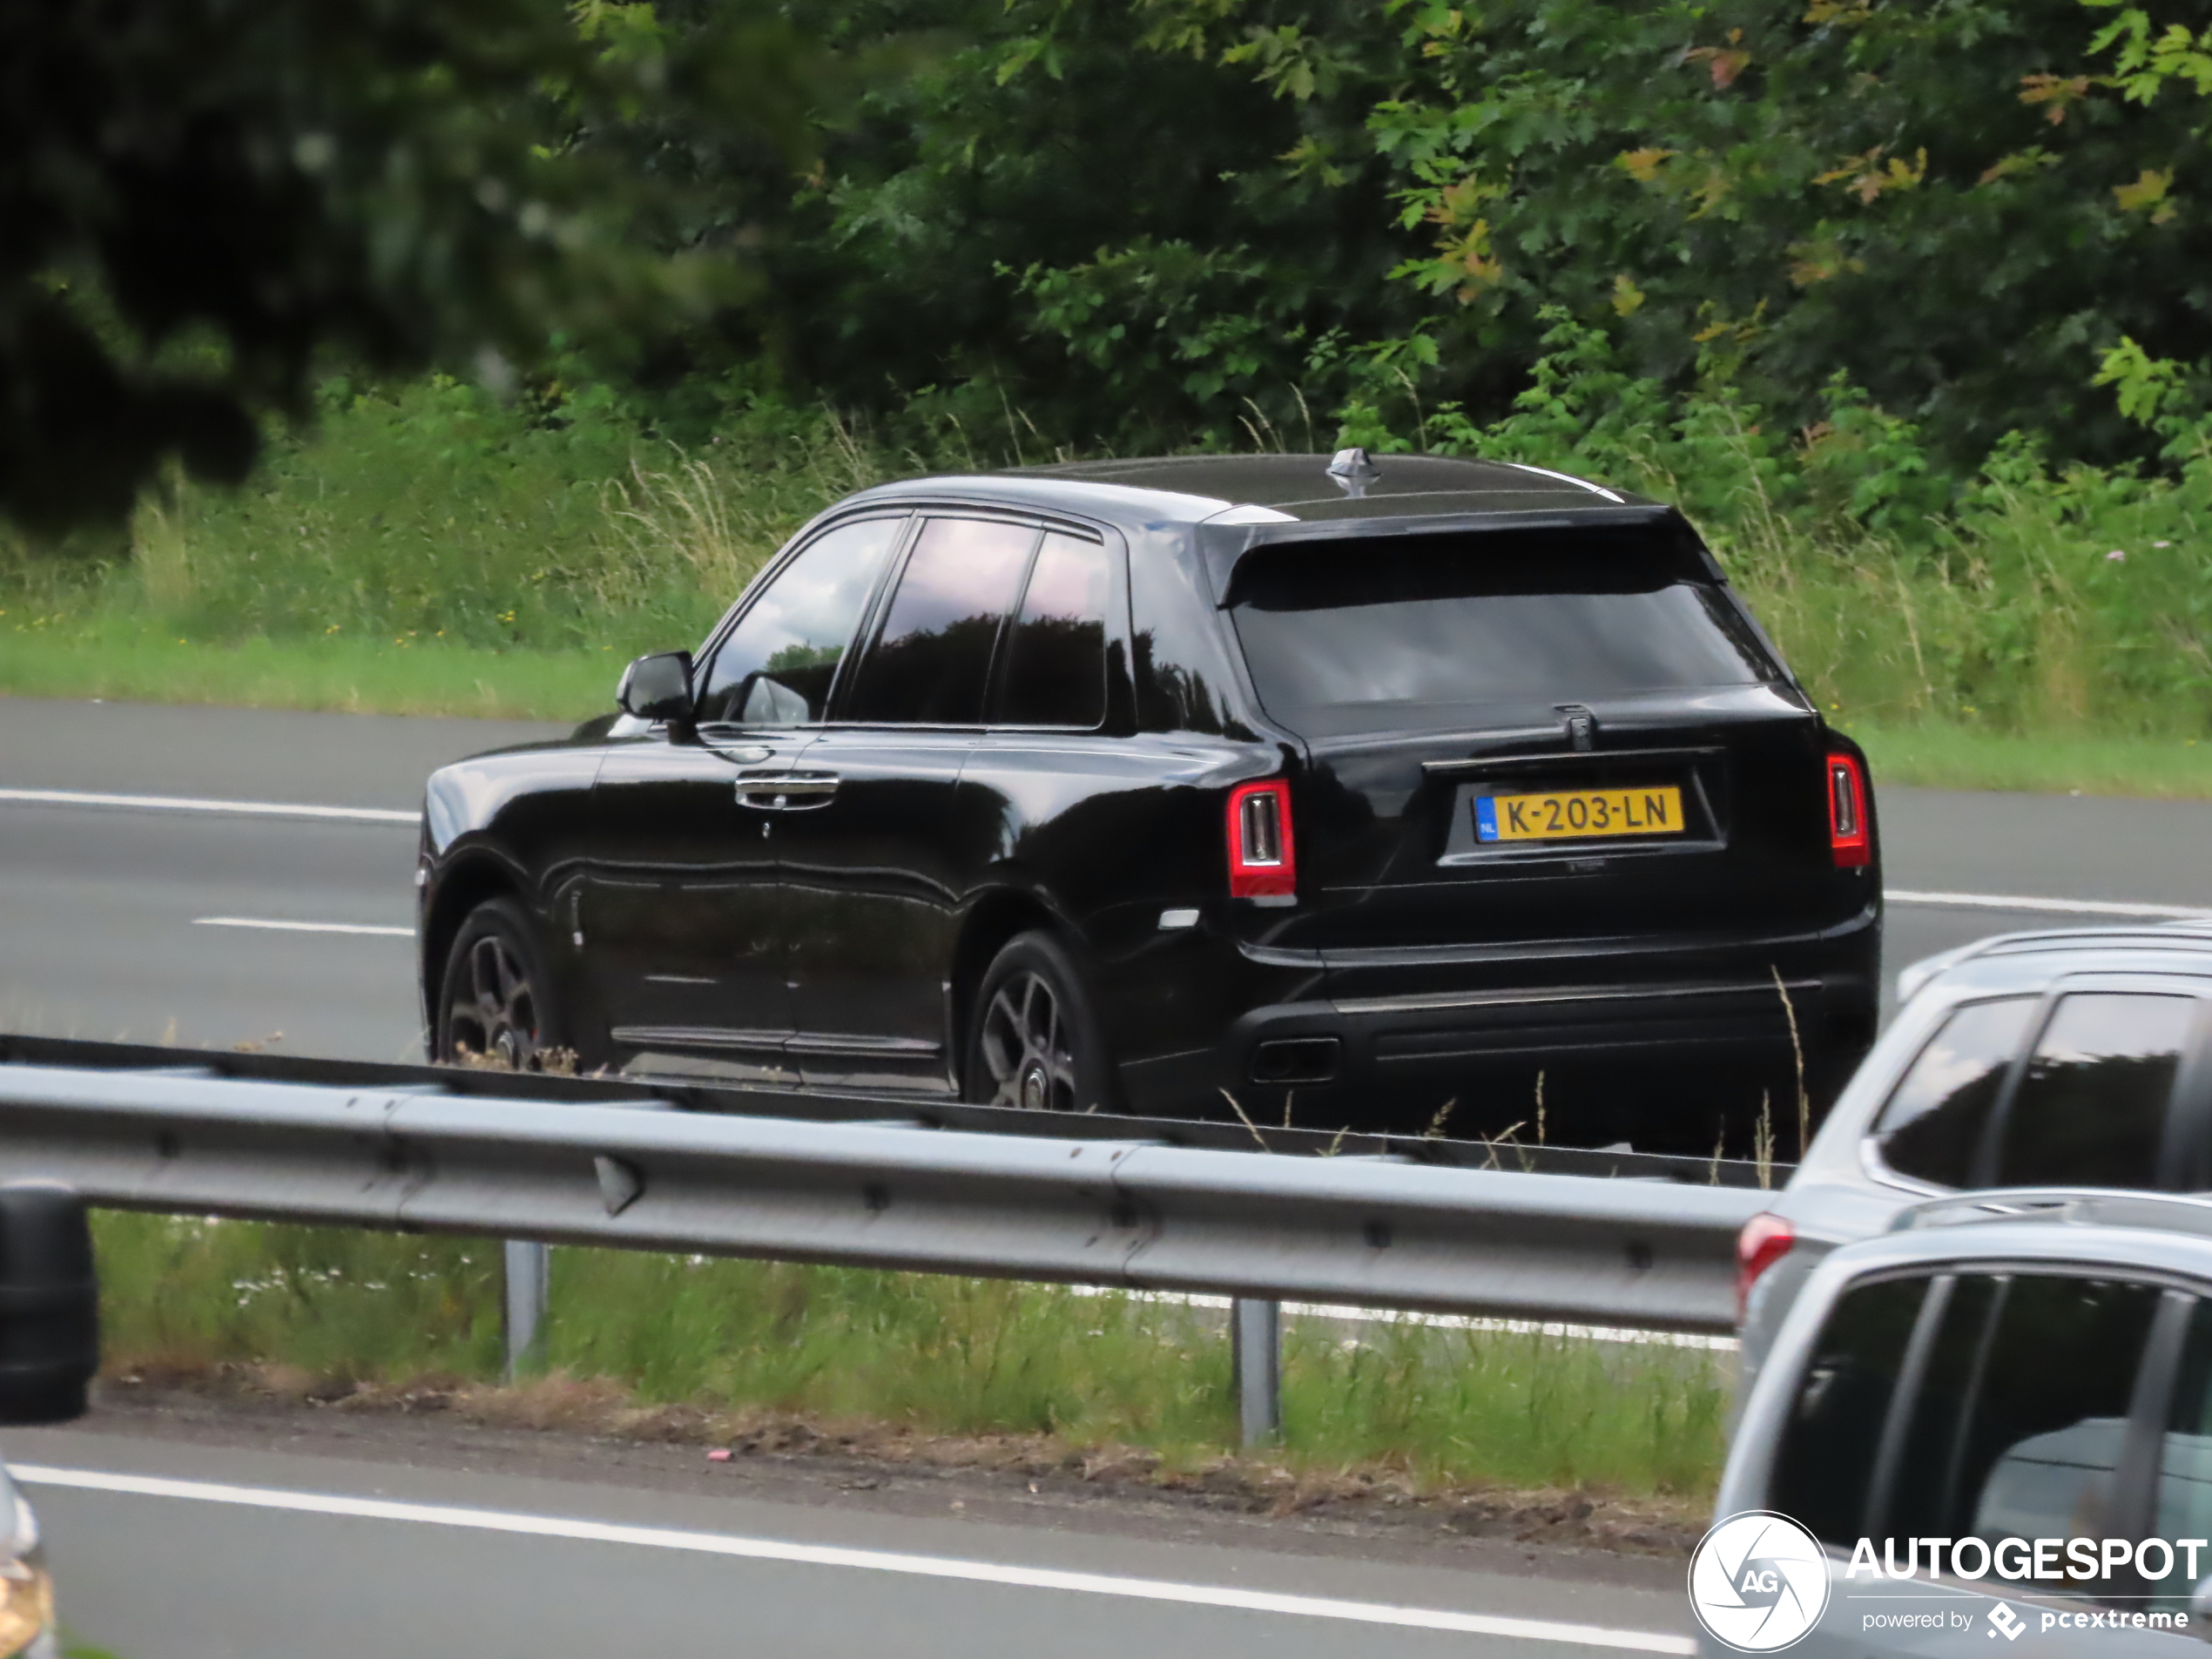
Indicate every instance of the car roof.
{"type": "Point", "coordinates": [1234, 503]}
{"type": "Point", "coordinates": [2174, 1212]}
{"type": "Point", "coordinates": [2035, 961]}
{"type": "Point", "coordinates": [1301, 485]}
{"type": "Point", "coordinates": [2075, 1227]}
{"type": "Point", "coordinates": [1274, 489]}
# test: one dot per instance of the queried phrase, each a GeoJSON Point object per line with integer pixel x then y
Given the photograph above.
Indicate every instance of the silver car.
{"type": "Point", "coordinates": [2004, 1368]}
{"type": "Point", "coordinates": [2080, 1057]}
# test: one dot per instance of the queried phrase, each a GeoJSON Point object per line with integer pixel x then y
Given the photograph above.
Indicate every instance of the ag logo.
{"type": "Point", "coordinates": [1759, 1582]}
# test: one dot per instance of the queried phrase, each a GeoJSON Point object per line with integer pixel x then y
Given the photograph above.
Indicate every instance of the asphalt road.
{"type": "Point", "coordinates": [133, 911]}
{"type": "Point", "coordinates": [109, 918]}
{"type": "Point", "coordinates": [168, 1549]}
{"type": "Point", "coordinates": [119, 900]}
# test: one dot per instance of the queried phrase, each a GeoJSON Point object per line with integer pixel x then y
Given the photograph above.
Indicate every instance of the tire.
{"type": "Point", "coordinates": [495, 1004]}
{"type": "Point", "coordinates": [1034, 1039]}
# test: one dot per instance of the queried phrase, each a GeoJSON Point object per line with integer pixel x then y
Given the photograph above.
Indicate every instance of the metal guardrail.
{"type": "Point", "coordinates": [639, 1173]}
{"type": "Point", "coordinates": [1225, 1132]}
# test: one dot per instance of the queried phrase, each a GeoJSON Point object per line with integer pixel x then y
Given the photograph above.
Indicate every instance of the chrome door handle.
{"type": "Point", "coordinates": [784, 792]}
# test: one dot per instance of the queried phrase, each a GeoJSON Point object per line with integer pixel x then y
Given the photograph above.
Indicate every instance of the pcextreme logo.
{"type": "Point", "coordinates": [1759, 1582]}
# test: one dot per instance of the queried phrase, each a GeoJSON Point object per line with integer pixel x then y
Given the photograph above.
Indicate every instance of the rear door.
{"type": "Point", "coordinates": [871, 876]}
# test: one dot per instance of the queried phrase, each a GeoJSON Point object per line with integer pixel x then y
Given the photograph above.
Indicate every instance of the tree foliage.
{"type": "Point", "coordinates": [1111, 224]}
{"type": "Point", "coordinates": [199, 197]}
{"type": "Point", "coordinates": [1950, 202]}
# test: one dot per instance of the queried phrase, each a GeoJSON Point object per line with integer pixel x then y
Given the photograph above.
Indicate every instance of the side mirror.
{"type": "Point", "coordinates": [658, 687]}
{"type": "Point", "coordinates": [50, 1304]}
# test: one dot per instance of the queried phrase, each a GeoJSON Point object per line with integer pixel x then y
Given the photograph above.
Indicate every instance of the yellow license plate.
{"type": "Point", "coordinates": [1570, 814]}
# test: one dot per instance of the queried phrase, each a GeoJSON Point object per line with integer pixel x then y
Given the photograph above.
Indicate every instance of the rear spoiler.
{"type": "Point", "coordinates": [1223, 546]}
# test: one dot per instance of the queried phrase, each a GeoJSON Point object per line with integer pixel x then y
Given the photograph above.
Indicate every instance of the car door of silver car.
{"type": "Point", "coordinates": [2005, 1406]}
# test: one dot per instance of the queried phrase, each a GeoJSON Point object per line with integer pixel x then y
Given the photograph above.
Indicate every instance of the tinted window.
{"type": "Point", "coordinates": [2184, 1502]}
{"type": "Point", "coordinates": [1828, 1446]}
{"type": "Point", "coordinates": [1934, 1120]}
{"type": "Point", "coordinates": [1055, 660]}
{"type": "Point", "coordinates": [932, 659]}
{"type": "Point", "coordinates": [1349, 636]}
{"type": "Point", "coordinates": [1178, 651]}
{"type": "Point", "coordinates": [2042, 1435]}
{"type": "Point", "coordinates": [776, 666]}
{"type": "Point", "coordinates": [1924, 1485]}
{"type": "Point", "coordinates": [2015, 1426]}
{"type": "Point", "coordinates": [2092, 1104]}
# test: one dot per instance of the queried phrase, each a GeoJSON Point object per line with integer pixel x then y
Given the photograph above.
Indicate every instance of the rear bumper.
{"type": "Point", "coordinates": [1377, 1039]}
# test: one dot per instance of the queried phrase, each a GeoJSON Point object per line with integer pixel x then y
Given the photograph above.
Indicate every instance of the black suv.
{"type": "Point", "coordinates": [1389, 794]}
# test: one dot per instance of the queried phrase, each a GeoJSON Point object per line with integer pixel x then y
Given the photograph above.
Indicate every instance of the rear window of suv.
{"type": "Point", "coordinates": [1362, 635]}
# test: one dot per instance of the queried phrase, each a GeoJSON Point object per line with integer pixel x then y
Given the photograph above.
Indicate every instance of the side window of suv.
{"type": "Point", "coordinates": [1056, 658]}
{"type": "Point", "coordinates": [932, 658]}
{"type": "Point", "coordinates": [1937, 1116]}
{"type": "Point", "coordinates": [777, 664]}
{"type": "Point", "coordinates": [2091, 1106]}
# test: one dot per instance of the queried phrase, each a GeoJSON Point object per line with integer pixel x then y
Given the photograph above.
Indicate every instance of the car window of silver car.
{"type": "Point", "coordinates": [2184, 1508]}
{"type": "Point", "coordinates": [1986, 1406]}
{"type": "Point", "coordinates": [2018, 1424]}
{"type": "Point", "coordinates": [2090, 1108]}
{"type": "Point", "coordinates": [1826, 1458]}
{"type": "Point", "coordinates": [1936, 1116]}
{"type": "Point", "coordinates": [776, 665]}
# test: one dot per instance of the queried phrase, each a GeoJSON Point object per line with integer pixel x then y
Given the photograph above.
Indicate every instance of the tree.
{"type": "Point", "coordinates": [199, 198]}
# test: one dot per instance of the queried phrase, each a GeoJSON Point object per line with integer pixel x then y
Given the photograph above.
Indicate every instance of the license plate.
{"type": "Point", "coordinates": [1571, 814]}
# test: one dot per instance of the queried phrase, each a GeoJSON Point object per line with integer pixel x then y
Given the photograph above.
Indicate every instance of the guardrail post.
{"type": "Point", "coordinates": [1255, 1356]}
{"type": "Point", "coordinates": [529, 1269]}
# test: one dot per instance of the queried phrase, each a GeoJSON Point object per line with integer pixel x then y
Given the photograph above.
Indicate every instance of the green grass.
{"type": "Point", "coordinates": [428, 550]}
{"type": "Point", "coordinates": [132, 659]}
{"type": "Point", "coordinates": [930, 1354]}
{"type": "Point", "coordinates": [1945, 756]}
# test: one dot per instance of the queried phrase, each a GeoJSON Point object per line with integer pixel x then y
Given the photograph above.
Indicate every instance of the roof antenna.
{"type": "Point", "coordinates": [1353, 471]}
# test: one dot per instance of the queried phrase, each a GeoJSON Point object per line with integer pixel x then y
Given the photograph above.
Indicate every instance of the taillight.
{"type": "Point", "coordinates": [1848, 837]}
{"type": "Point", "coordinates": [1263, 860]}
{"type": "Point", "coordinates": [1766, 1238]}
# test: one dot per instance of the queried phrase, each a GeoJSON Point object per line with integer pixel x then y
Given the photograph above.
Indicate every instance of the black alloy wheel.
{"type": "Point", "coordinates": [495, 1002]}
{"type": "Point", "coordinates": [1034, 1042]}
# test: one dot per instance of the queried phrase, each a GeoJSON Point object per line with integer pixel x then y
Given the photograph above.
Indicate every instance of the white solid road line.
{"type": "Point", "coordinates": [385, 815]}
{"type": "Point", "coordinates": [880, 1561]}
{"type": "Point", "coordinates": [181, 804]}
{"type": "Point", "coordinates": [2062, 906]}
{"type": "Point", "coordinates": [302, 926]}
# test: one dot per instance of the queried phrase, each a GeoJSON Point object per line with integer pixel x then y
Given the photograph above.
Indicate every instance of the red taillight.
{"type": "Point", "coordinates": [1263, 861]}
{"type": "Point", "coordinates": [1766, 1238]}
{"type": "Point", "coordinates": [1848, 832]}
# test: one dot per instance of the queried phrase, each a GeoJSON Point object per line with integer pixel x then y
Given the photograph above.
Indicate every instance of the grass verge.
{"type": "Point", "coordinates": [1034, 1372]}
{"type": "Point", "coordinates": [127, 659]}
{"type": "Point", "coordinates": [1954, 756]}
